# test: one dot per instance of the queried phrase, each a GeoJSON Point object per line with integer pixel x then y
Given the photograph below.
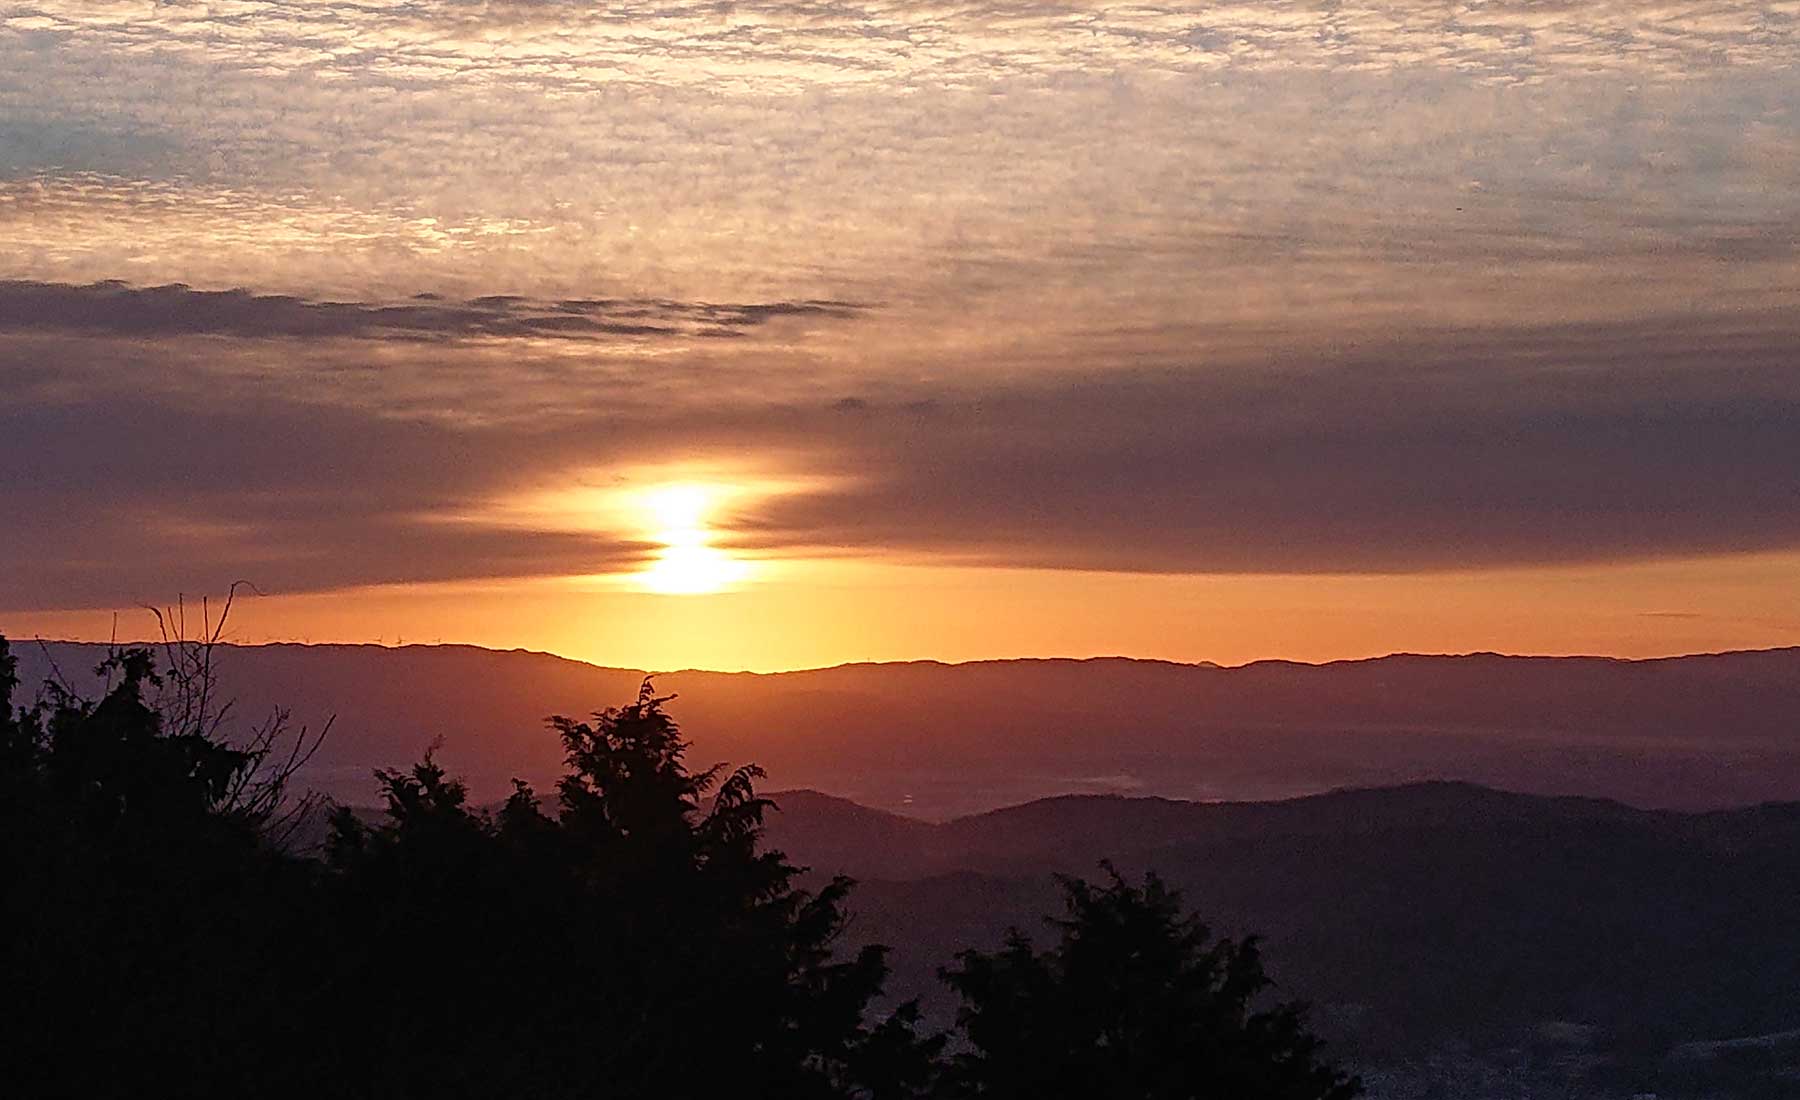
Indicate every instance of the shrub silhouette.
{"type": "Point", "coordinates": [1136, 1000]}
{"type": "Point", "coordinates": [636, 940]}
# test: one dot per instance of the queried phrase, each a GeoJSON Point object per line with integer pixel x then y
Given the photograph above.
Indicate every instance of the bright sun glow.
{"type": "Point", "coordinates": [692, 571]}
{"type": "Point", "coordinates": [680, 510]}
{"type": "Point", "coordinates": [672, 524]}
{"type": "Point", "coordinates": [688, 564]}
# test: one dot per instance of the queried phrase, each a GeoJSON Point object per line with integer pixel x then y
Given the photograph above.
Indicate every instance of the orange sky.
{"type": "Point", "coordinates": [827, 613]}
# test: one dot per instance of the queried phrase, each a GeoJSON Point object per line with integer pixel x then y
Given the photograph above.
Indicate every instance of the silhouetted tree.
{"type": "Point", "coordinates": [1136, 1001]}
{"type": "Point", "coordinates": [142, 910]}
{"type": "Point", "coordinates": [18, 730]}
{"type": "Point", "coordinates": [639, 942]}
{"type": "Point", "coordinates": [636, 939]}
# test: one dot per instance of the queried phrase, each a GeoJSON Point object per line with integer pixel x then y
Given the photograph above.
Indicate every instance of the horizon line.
{"type": "Point", "coordinates": [1201, 664]}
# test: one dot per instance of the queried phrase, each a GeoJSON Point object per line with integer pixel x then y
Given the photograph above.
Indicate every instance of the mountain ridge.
{"type": "Point", "coordinates": [1445, 932]}
{"type": "Point", "coordinates": [980, 662]}
{"type": "Point", "coordinates": [1071, 832]}
{"type": "Point", "coordinates": [941, 741]}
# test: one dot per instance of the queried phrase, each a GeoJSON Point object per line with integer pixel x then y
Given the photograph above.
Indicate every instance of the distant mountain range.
{"type": "Point", "coordinates": [934, 740]}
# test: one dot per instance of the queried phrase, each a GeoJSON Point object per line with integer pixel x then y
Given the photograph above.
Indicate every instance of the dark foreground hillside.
{"type": "Point", "coordinates": [1452, 937]}
{"type": "Point", "coordinates": [939, 740]}
{"type": "Point", "coordinates": [1456, 941]}
{"type": "Point", "coordinates": [175, 919]}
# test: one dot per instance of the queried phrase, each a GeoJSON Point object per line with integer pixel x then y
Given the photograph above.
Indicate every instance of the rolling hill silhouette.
{"type": "Point", "coordinates": [1568, 938]}
{"type": "Point", "coordinates": [936, 741]}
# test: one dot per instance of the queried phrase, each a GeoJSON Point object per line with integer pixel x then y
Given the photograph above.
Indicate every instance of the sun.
{"type": "Point", "coordinates": [692, 571]}
{"type": "Point", "coordinates": [680, 510]}
{"type": "Point", "coordinates": [679, 518]}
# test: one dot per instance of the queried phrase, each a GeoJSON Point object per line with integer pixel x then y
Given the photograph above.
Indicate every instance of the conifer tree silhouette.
{"type": "Point", "coordinates": [641, 940]}
{"type": "Point", "coordinates": [635, 938]}
{"type": "Point", "coordinates": [1135, 1001]}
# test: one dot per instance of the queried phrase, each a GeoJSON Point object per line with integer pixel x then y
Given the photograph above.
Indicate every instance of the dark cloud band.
{"type": "Point", "coordinates": [1472, 450]}
{"type": "Point", "coordinates": [117, 309]}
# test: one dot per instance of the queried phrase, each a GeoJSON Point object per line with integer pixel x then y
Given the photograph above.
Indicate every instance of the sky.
{"type": "Point", "coordinates": [770, 335]}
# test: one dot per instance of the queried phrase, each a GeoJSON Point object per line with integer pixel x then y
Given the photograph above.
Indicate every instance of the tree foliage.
{"type": "Point", "coordinates": [641, 925]}
{"type": "Point", "coordinates": [631, 938]}
{"type": "Point", "coordinates": [1135, 1001]}
{"type": "Point", "coordinates": [145, 917]}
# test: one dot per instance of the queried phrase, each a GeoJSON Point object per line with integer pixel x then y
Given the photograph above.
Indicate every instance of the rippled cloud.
{"type": "Point", "coordinates": [581, 46]}
{"type": "Point", "coordinates": [889, 150]}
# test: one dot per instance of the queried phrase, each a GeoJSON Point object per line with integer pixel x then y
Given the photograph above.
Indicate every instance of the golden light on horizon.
{"type": "Point", "coordinates": [688, 564]}
{"type": "Point", "coordinates": [662, 530]}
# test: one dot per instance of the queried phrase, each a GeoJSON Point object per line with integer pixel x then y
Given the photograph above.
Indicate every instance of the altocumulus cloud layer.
{"type": "Point", "coordinates": [304, 291]}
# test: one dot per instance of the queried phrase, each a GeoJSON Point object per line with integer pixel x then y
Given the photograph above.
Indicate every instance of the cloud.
{"type": "Point", "coordinates": [785, 43]}
{"type": "Point", "coordinates": [1244, 154]}
{"type": "Point", "coordinates": [1238, 286]}
{"type": "Point", "coordinates": [1543, 454]}
{"type": "Point", "coordinates": [117, 310]}
{"type": "Point", "coordinates": [1467, 449]}
{"type": "Point", "coordinates": [120, 499]}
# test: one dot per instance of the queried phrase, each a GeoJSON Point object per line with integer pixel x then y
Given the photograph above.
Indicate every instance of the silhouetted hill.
{"type": "Point", "coordinates": [1456, 940]}
{"type": "Point", "coordinates": [1421, 918]}
{"type": "Point", "coordinates": [939, 740]}
{"type": "Point", "coordinates": [1072, 832]}
{"type": "Point", "coordinates": [838, 833]}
